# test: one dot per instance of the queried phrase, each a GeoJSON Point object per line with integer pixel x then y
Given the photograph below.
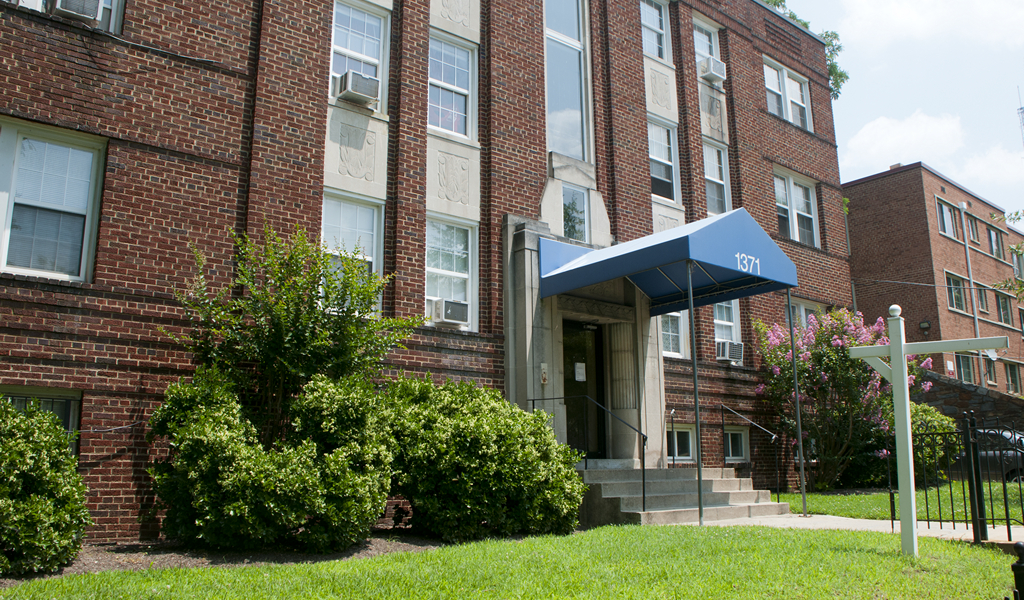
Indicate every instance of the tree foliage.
{"type": "Point", "coordinates": [294, 310]}
{"type": "Point", "coordinates": [42, 498]}
{"type": "Point", "coordinates": [836, 75]}
{"type": "Point", "coordinates": [846, 406]}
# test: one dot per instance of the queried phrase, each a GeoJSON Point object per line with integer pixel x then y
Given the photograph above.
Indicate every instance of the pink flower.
{"type": "Point", "coordinates": [775, 370]}
{"type": "Point", "coordinates": [759, 390]}
{"type": "Point", "coordinates": [927, 364]}
{"type": "Point", "coordinates": [883, 453]}
{"type": "Point", "coordinates": [926, 386]}
{"type": "Point", "coordinates": [910, 380]}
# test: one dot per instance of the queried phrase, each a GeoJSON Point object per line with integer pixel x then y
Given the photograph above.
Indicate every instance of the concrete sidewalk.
{"type": "Point", "coordinates": [996, 535]}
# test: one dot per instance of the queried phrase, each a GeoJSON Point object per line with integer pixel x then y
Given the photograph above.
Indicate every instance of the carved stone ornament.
{"type": "Point", "coordinates": [665, 223]}
{"type": "Point", "coordinates": [711, 114]}
{"type": "Point", "coordinates": [358, 151]}
{"type": "Point", "coordinates": [456, 11]}
{"type": "Point", "coordinates": [453, 178]}
{"type": "Point", "coordinates": [661, 89]}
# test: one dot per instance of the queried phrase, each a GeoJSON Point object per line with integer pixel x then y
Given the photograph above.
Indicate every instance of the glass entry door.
{"type": "Point", "coordinates": [583, 356]}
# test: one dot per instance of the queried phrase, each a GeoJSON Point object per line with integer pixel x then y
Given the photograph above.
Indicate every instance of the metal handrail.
{"type": "Point", "coordinates": [775, 436]}
{"type": "Point", "coordinates": [586, 436]}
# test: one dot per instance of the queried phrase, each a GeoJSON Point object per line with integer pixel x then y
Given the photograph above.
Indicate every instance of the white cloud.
{"type": "Point", "coordinates": [996, 175]}
{"type": "Point", "coordinates": [976, 24]}
{"type": "Point", "coordinates": [885, 141]}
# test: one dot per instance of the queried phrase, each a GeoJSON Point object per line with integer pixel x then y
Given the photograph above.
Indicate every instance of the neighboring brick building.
{"type": "Point", "coordinates": [910, 228]}
{"type": "Point", "coordinates": [166, 127]}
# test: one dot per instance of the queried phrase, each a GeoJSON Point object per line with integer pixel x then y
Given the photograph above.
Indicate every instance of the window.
{"type": "Point", "coordinates": [705, 41]}
{"type": "Point", "coordinates": [652, 18]}
{"type": "Point", "coordinates": [661, 142]}
{"type": "Point", "coordinates": [948, 219]}
{"type": "Point", "coordinates": [802, 309]}
{"type": "Point", "coordinates": [679, 443]}
{"type": "Point", "coordinates": [111, 12]}
{"type": "Point", "coordinates": [675, 334]}
{"type": "Point", "coordinates": [1005, 309]}
{"type": "Point", "coordinates": [995, 243]}
{"type": "Point", "coordinates": [965, 367]}
{"type": "Point", "coordinates": [972, 228]}
{"type": "Point", "coordinates": [1018, 268]}
{"type": "Point", "coordinates": [566, 78]}
{"type": "Point", "coordinates": [727, 320]}
{"type": "Point", "coordinates": [795, 206]}
{"type": "Point", "coordinates": [787, 95]}
{"type": "Point", "coordinates": [982, 294]}
{"type": "Point", "coordinates": [351, 226]}
{"type": "Point", "coordinates": [358, 43]}
{"type": "Point", "coordinates": [1013, 378]}
{"type": "Point", "coordinates": [66, 404]}
{"type": "Point", "coordinates": [955, 292]}
{"type": "Point", "coordinates": [449, 263]}
{"type": "Point", "coordinates": [990, 369]}
{"type": "Point", "coordinates": [50, 185]}
{"type": "Point", "coordinates": [575, 213]}
{"type": "Point", "coordinates": [716, 178]}
{"type": "Point", "coordinates": [449, 104]}
{"type": "Point", "coordinates": [735, 443]}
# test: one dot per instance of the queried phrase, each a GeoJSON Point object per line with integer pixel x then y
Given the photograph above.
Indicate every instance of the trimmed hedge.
{"type": "Point", "coordinates": [318, 490]}
{"type": "Point", "coordinates": [42, 498]}
{"type": "Point", "coordinates": [474, 465]}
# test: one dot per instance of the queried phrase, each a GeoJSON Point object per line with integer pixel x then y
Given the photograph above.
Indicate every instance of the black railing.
{"type": "Point", "coordinates": [775, 437]}
{"type": "Point", "coordinates": [973, 477]}
{"type": "Point", "coordinates": [642, 439]}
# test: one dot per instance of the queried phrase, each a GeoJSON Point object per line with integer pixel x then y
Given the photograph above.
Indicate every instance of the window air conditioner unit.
{"type": "Point", "coordinates": [712, 70]}
{"type": "Point", "coordinates": [81, 10]}
{"type": "Point", "coordinates": [450, 312]}
{"type": "Point", "coordinates": [356, 87]}
{"type": "Point", "coordinates": [730, 351]}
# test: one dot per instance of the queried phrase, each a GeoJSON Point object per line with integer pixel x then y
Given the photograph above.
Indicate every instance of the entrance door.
{"type": "Point", "coordinates": [583, 357]}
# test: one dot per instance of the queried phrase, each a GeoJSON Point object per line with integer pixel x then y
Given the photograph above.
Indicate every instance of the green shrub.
{"type": "Point", "coordinates": [473, 465]}
{"type": "Point", "coordinates": [321, 489]}
{"type": "Point", "coordinates": [42, 497]}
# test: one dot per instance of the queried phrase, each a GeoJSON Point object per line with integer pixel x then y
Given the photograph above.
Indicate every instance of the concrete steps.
{"type": "Point", "coordinates": [616, 496]}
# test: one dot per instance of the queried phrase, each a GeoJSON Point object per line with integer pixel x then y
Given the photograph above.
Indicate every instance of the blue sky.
{"type": "Point", "coordinates": [933, 81]}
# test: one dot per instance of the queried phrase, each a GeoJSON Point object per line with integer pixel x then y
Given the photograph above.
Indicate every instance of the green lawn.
{"type": "Point", "coordinates": [609, 562]}
{"type": "Point", "coordinates": [876, 505]}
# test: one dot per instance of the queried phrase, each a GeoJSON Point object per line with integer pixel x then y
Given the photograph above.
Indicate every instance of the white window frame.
{"type": "Point", "coordinates": [785, 94]}
{"type": "Point", "coordinates": [989, 367]}
{"type": "Point", "coordinates": [702, 27]}
{"type": "Point", "coordinates": [734, 324]}
{"type": "Point", "coordinates": [1012, 377]}
{"type": "Point", "coordinates": [472, 294]}
{"type": "Point", "coordinates": [582, 48]}
{"type": "Point", "coordinates": [469, 93]}
{"type": "Point", "coordinates": [375, 254]}
{"type": "Point", "coordinates": [1004, 309]}
{"type": "Point", "coordinates": [801, 309]}
{"type": "Point", "coordinates": [964, 367]}
{"type": "Point", "coordinates": [1018, 265]}
{"type": "Point", "coordinates": [586, 211]}
{"type": "Point", "coordinates": [672, 162]}
{"type": "Point", "coordinates": [791, 182]}
{"type": "Point", "coordinates": [664, 49]}
{"type": "Point", "coordinates": [111, 12]}
{"type": "Point", "coordinates": [712, 147]}
{"type": "Point", "coordinates": [981, 294]}
{"type": "Point", "coordinates": [972, 229]}
{"type": "Point", "coordinates": [948, 218]}
{"type": "Point", "coordinates": [382, 62]}
{"type": "Point", "coordinates": [12, 134]}
{"type": "Point", "coordinates": [683, 321]}
{"type": "Point", "coordinates": [954, 283]}
{"type": "Point", "coordinates": [995, 243]}
{"type": "Point", "coordinates": [672, 455]}
{"type": "Point", "coordinates": [744, 434]}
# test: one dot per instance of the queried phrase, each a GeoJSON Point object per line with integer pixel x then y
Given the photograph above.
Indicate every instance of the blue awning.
{"type": "Point", "coordinates": [733, 257]}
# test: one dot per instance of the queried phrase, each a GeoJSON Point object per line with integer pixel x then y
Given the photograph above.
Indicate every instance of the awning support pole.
{"type": "Point", "coordinates": [796, 396]}
{"type": "Point", "coordinates": [696, 399]}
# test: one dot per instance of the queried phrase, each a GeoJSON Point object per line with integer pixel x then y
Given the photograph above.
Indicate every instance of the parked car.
{"type": "Point", "coordinates": [1001, 454]}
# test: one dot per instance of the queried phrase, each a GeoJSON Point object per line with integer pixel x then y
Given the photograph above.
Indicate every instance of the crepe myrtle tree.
{"type": "Point", "coordinates": [845, 404]}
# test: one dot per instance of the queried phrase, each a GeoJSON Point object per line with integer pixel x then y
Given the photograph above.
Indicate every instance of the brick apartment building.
{"type": "Point", "coordinates": [444, 138]}
{"type": "Point", "coordinates": [925, 242]}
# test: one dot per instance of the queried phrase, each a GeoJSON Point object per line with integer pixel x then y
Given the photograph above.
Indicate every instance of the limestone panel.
{"type": "Point", "coordinates": [660, 87]}
{"type": "Point", "coordinates": [666, 216]}
{"type": "Point", "coordinates": [453, 178]}
{"type": "Point", "coordinates": [713, 117]}
{"type": "Point", "coordinates": [356, 152]}
{"type": "Point", "coordinates": [458, 17]}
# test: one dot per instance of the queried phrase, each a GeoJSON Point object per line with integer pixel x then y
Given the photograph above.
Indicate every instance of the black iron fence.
{"type": "Point", "coordinates": [971, 477]}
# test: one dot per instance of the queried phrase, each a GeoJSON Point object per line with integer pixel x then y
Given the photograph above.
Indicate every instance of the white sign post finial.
{"type": "Point", "coordinates": [896, 373]}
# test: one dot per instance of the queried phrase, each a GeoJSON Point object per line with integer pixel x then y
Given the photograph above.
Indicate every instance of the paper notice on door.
{"type": "Point", "coordinates": [581, 371]}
